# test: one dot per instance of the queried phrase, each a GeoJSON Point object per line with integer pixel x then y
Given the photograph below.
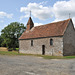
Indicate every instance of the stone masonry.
{"type": "Point", "coordinates": [56, 49]}
{"type": "Point", "coordinates": [69, 40]}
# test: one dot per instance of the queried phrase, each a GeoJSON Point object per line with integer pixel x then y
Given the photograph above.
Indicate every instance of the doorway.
{"type": "Point", "coordinates": [43, 49]}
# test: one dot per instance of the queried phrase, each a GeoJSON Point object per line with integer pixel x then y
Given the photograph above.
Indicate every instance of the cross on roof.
{"type": "Point", "coordinates": [69, 15]}
{"type": "Point", "coordinates": [30, 13]}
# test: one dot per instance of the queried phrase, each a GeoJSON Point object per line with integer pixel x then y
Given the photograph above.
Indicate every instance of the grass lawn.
{"type": "Point", "coordinates": [44, 56]}
{"type": "Point", "coordinates": [58, 57]}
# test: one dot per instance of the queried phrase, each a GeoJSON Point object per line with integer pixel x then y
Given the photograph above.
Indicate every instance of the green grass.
{"type": "Point", "coordinates": [17, 49]}
{"type": "Point", "coordinates": [10, 53]}
{"type": "Point", "coordinates": [53, 57]}
{"type": "Point", "coordinates": [44, 56]}
{"type": "Point", "coordinates": [58, 57]}
{"type": "Point", "coordinates": [69, 57]}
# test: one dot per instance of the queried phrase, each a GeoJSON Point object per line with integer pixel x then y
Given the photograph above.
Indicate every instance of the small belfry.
{"type": "Point", "coordinates": [30, 23]}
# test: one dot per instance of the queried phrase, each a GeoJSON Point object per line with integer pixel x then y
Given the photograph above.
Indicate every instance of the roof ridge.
{"type": "Point", "coordinates": [53, 22]}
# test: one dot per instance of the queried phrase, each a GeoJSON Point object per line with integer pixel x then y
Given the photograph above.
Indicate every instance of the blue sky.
{"type": "Point", "coordinates": [43, 11]}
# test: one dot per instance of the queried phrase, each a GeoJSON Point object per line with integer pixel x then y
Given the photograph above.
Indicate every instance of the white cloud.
{"type": "Point", "coordinates": [44, 2]}
{"type": "Point", "coordinates": [61, 10]}
{"type": "Point", "coordinates": [37, 24]}
{"type": "Point", "coordinates": [38, 11]}
{"type": "Point", "coordinates": [4, 14]}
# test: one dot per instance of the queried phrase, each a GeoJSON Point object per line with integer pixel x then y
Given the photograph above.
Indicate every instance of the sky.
{"type": "Point", "coordinates": [42, 11]}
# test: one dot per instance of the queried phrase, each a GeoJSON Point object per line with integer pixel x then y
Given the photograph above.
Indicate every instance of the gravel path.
{"type": "Point", "coordinates": [31, 65]}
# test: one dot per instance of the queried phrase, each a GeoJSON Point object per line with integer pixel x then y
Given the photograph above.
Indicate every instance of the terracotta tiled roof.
{"type": "Point", "coordinates": [51, 29]}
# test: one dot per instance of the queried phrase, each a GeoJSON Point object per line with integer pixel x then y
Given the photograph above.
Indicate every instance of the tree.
{"type": "Point", "coordinates": [11, 33]}
{"type": "Point", "coordinates": [1, 40]}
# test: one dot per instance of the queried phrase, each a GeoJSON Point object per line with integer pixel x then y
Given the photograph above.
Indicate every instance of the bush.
{"type": "Point", "coordinates": [17, 49]}
{"type": "Point", "coordinates": [10, 49]}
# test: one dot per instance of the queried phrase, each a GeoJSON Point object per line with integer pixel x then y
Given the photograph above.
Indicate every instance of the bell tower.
{"type": "Point", "coordinates": [30, 24]}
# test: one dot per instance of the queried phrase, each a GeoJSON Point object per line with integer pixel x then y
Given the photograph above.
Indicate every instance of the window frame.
{"type": "Point", "coordinates": [51, 42]}
{"type": "Point", "coordinates": [31, 42]}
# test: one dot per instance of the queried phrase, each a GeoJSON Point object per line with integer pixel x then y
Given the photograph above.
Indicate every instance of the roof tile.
{"type": "Point", "coordinates": [51, 29]}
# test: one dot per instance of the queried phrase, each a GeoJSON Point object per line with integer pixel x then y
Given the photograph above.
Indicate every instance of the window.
{"type": "Point", "coordinates": [51, 41]}
{"type": "Point", "coordinates": [31, 42]}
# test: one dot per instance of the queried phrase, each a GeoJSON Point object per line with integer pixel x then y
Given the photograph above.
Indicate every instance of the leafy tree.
{"type": "Point", "coordinates": [11, 33]}
{"type": "Point", "coordinates": [1, 40]}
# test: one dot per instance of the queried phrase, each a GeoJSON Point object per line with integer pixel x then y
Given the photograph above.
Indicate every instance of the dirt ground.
{"type": "Point", "coordinates": [31, 65]}
{"type": "Point", "coordinates": [3, 49]}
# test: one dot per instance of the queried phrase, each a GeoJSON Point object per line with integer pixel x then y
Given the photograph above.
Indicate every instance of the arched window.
{"type": "Point", "coordinates": [31, 42]}
{"type": "Point", "coordinates": [51, 41]}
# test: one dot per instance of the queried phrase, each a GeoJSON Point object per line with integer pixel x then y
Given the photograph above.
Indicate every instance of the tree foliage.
{"type": "Point", "coordinates": [11, 33]}
{"type": "Point", "coordinates": [1, 40]}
